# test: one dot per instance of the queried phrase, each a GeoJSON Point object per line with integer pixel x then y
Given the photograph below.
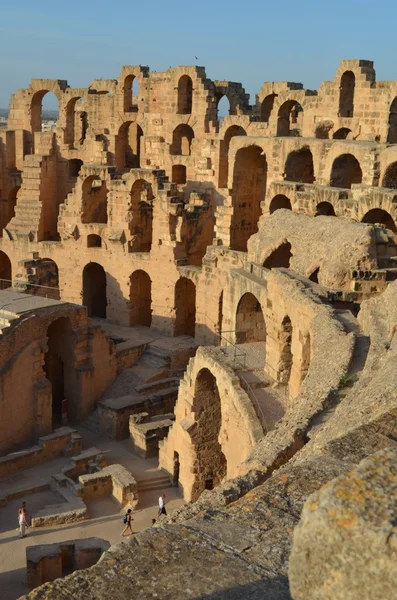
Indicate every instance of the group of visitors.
{"type": "Point", "coordinates": [127, 519]}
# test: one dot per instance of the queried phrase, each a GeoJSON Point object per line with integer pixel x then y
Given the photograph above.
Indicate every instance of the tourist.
{"type": "Point", "coordinates": [127, 520]}
{"type": "Point", "coordinates": [22, 520]}
{"type": "Point", "coordinates": [162, 510]}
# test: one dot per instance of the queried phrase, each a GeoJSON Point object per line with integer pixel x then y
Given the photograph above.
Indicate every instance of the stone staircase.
{"type": "Point", "coordinates": [158, 481]}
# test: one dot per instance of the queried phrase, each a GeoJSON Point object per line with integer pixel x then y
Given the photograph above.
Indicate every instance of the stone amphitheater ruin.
{"type": "Point", "coordinates": [220, 294]}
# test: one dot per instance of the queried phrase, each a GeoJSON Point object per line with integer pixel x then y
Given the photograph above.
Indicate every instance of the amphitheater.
{"type": "Point", "coordinates": [210, 303]}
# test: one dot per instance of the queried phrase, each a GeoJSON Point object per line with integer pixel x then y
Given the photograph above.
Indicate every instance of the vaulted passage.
{"type": "Point", "coordinates": [230, 133]}
{"type": "Point", "coordinates": [59, 366]}
{"type": "Point", "coordinates": [94, 200]}
{"type": "Point", "coordinates": [280, 257]}
{"type": "Point", "coordinates": [210, 463]}
{"type": "Point", "coordinates": [290, 119]}
{"type": "Point", "coordinates": [346, 94]}
{"type": "Point", "coordinates": [140, 216]}
{"type": "Point", "coordinates": [299, 166]}
{"type": "Point", "coordinates": [279, 201]}
{"type": "Point", "coordinates": [346, 171]}
{"type": "Point", "coordinates": [390, 177]}
{"type": "Point", "coordinates": [94, 290]}
{"type": "Point", "coordinates": [377, 215]}
{"type": "Point", "coordinates": [140, 299]}
{"type": "Point", "coordinates": [250, 324]}
{"type": "Point", "coordinates": [249, 186]}
{"type": "Point", "coordinates": [185, 307]}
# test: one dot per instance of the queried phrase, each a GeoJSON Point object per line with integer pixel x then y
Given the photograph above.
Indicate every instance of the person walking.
{"type": "Point", "coordinates": [162, 510]}
{"type": "Point", "coordinates": [22, 520]}
{"type": "Point", "coordinates": [127, 520]}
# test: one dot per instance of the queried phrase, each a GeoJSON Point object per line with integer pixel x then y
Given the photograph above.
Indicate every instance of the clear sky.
{"type": "Point", "coordinates": [250, 42]}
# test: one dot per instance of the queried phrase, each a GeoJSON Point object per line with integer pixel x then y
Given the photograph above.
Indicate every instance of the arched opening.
{"type": "Point", "coordinates": [182, 140]}
{"type": "Point", "coordinates": [299, 166]}
{"type": "Point", "coordinates": [44, 111]}
{"type": "Point", "coordinates": [179, 174]}
{"type": "Point", "coordinates": [5, 271]}
{"type": "Point", "coordinates": [290, 119]}
{"type": "Point", "coordinates": [346, 171]}
{"type": "Point", "coordinates": [342, 133]}
{"type": "Point", "coordinates": [392, 131]}
{"type": "Point", "coordinates": [250, 323]}
{"type": "Point", "coordinates": [185, 307]}
{"type": "Point", "coordinates": [59, 367]}
{"type": "Point", "coordinates": [210, 462]}
{"type": "Point", "coordinates": [81, 122]}
{"type": "Point", "coordinates": [128, 146]}
{"type": "Point", "coordinates": [185, 95]}
{"type": "Point", "coordinates": [131, 91]}
{"type": "Point", "coordinates": [314, 276]}
{"type": "Point", "coordinates": [94, 241]}
{"type": "Point", "coordinates": [224, 153]}
{"type": "Point", "coordinates": [279, 201]}
{"type": "Point", "coordinates": [74, 168]}
{"type": "Point", "coordinates": [71, 128]}
{"type": "Point", "coordinates": [267, 107]}
{"type": "Point", "coordinates": [47, 276]}
{"type": "Point", "coordinates": [222, 107]}
{"type": "Point", "coordinates": [140, 216]}
{"type": "Point", "coordinates": [249, 187]}
{"type": "Point", "coordinates": [285, 340]}
{"type": "Point", "coordinates": [379, 216]}
{"type": "Point", "coordinates": [280, 257]}
{"type": "Point", "coordinates": [346, 94]}
{"type": "Point", "coordinates": [390, 177]}
{"type": "Point", "coordinates": [12, 202]}
{"type": "Point", "coordinates": [325, 209]}
{"type": "Point", "coordinates": [94, 200]}
{"type": "Point", "coordinates": [94, 290]}
{"type": "Point", "coordinates": [140, 299]}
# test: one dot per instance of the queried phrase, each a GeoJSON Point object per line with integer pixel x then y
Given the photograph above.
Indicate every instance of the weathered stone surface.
{"type": "Point", "coordinates": [345, 546]}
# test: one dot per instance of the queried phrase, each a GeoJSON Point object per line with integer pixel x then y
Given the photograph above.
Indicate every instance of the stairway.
{"type": "Point", "coordinates": [158, 481]}
{"type": "Point", "coordinates": [92, 423]}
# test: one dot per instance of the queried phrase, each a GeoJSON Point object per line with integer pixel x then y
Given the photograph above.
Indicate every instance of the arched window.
{"type": "Point", "coordinates": [250, 324]}
{"type": "Point", "coordinates": [390, 177]}
{"type": "Point", "coordinates": [94, 241]}
{"type": "Point", "coordinates": [94, 290]}
{"type": "Point", "coordinates": [131, 91]}
{"type": "Point", "coordinates": [299, 166]}
{"type": "Point", "coordinates": [325, 209]}
{"type": "Point", "coordinates": [267, 107]}
{"type": "Point", "coordinates": [223, 107]}
{"type": "Point", "coordinates": [181, 140]}
{"type": "Point", "coordinates": [185, 307]}
{"type": "Point", "coordinates": [346, 171]}
{"type": "Point", "coordinates": [94, 200]}
{"type": "Point", "coordinates": [140, 216]}
{"type": "Point", "coordinates": [279, 201]}
{"type": "Point", "coordinates": [341, 134]}
{"type": "Point", "coordinates": [128, 146]}
{"type": "Point", "coordinates": [379, 216]}
{"type": "Point", "coordinates": [185, 95]}
{"type": "Point", "coordinates": [71, 129]}
{"type": "Point", "coordinates": [179, 174]}
{"type": "Point", "coordinates": [44, 111]}
{"type": "Point", "coordinates": [230, 133]}
{"type": "Point", "coordinates": [140, 299]}
{"type": "Point", "coordinates": [290, 119]}
{"type": "Point", "coordinates": [346, 94]}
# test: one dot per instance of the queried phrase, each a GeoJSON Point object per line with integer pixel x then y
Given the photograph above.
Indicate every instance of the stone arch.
{"type": "Point", "coordinates": [267, 107]}
{"type": "Point", "coordinates": [94, 241]}
{"type": "Point", "coordinates": [140, 299]}
{"type": "Point", "coordinates": [299, 166]}
{"type": "Point", "coordinates": [12, 202]}
{"type": "Point", "coordinates": [178, 174]}
{"type": "Point", "coordinates": [250, 322]}
{"type": "Point", "coordinates": [392, 128]}
{"type": "Point", "coordinates": [380, 216]}
{"type": "Point", "coordinates": [210, 462]}
{"type": "Point", "coordinates": [346, 94]}
{"type": "Point", "coordinates": [94, 290]}
{"type": "Point", "coordinates": [223, 106]}
{"type": "Point", "coordinates": [345, 171]}
{"type": "Point", "coordinates": [71, 128]}
{"type": "Point", "coordinates": [230, 133]}
{"type": "Point", "coordinates": [5, 271]}
{"type": "Point", "coordinates": [182, 140]}
{"type": "Point", "coordinates": [279, 201]}
{"type": "Point", "coordinates": [36, 108]}
{"type": "Point", "coordinates": [185, 307]}
{"type": "Point", "coordinates": [128, 146]}
{"type": "Point", "coordinates": [140, 216]}
{"type": "Point", "coordinates": [185, 95]}
{"type": "Point", "coordinates": [342, 133]}
{"type": "Point", "coordinates": [280, 257]}
{"type": "Point", "coordinates": [130, 94]}
{"type": "Point", "coordinates": [325, 209]}
{"type": "Point", "coordinates": [94, 200]}
{"type": "Point", "coordinates": [59, 368]}
{"type": "Point", "coordinates": [290, 118]}
{"type": "Point", "coordinates": [74, 168]}
{"type": "Point", "coordinates": [390, 177]}
{"type": "Point", "coordinates": [248, 191]}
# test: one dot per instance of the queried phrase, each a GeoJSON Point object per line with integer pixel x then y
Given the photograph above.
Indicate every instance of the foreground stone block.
{"type": "Point", "coordinates": [345, 546]}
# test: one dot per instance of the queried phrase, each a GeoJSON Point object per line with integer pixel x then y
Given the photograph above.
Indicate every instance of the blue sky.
{"type": "Point", "coordinates": [250, 42]}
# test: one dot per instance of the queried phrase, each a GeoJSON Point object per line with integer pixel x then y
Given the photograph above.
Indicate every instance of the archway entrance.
{"type": "Point", "coordinates": [231, 132]}
{"type": "Point", "coordinates": [382, 217]}
{"type": "Point", "coordinates": [182, 138]}
{"type": "Point", "coordinates": [185, 307]}
{"type": "Point", "coordinates": [249, 187]}
{"type": "Point", "coordinates": [94, 200]}
{"type": "Point", "coordinates": [279, 201]}
{"type": "Point", "coordinates": [299, 166]}
{"type": "Point", "coordinates": [140, 216]}
{"type": "Point", "coordinates": [290, 119]}
{"type": "Point", "coordinates": [250, 324]}
{"type": "Point", "coordinates": [5, 271]}
{"type": "Point", "coordinates": [346, 94]}
{"type": "Point", "coordinates": [140, 299]}
{"type": "Point", "coordinates": [58, 366]}
{"type": "Point", "coordinates": [185, 95]}
{"type": "Point", "coordinates": [326, 209]}
{"type": "Point", "coordinates": [210, 462]}
{"type": "Point", "coordinates": [346, 170]}
{"type": "Point", "coordinates": [94, 290]}
{"type": "Point", "coordinates": [128, 146]}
